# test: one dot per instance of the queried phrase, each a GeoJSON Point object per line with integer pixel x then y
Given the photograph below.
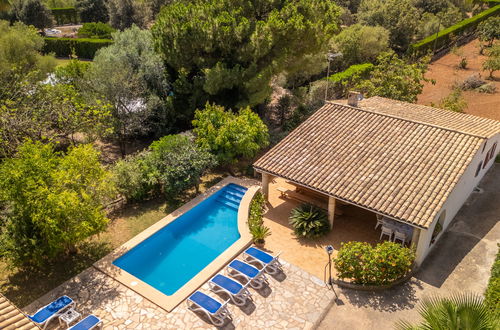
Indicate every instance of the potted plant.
{"type": "Point", "coordinates": [259, 233]}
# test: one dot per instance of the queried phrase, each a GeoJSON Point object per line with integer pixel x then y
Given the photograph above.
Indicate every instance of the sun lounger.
{"type": "Point", "coordinates": [216, 311]}
{"type": "Point", "coordinates": [269, 263]}
{"type": "Point", "coordinates": [254, 276]}
{"type": "Point", "coordinates": [88, 323]}
{"type": "Point", "coordinates": [45, 314]}
{"type": "Point", "coordinates": [238, 293]}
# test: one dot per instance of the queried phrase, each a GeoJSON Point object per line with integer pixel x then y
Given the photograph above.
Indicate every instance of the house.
{"type": "Point", "coordinates": [409, 163]}
{"type": "Point", "coordinates": [12, 318]}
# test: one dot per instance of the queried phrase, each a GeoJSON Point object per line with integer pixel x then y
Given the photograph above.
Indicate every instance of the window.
{"type": "Point", "coordinates": [439, 227]}
{"type": "Point", "coordinates": [490, 155]}
{"type": "Point", "coordinates": [479, 168]}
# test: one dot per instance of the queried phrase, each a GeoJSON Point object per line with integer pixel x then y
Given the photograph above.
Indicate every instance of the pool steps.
{"type": "Point", "coordinates": [231, 197]}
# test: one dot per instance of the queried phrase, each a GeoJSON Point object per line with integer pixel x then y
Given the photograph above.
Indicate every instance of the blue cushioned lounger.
{"type": "Point", "coordinates": [255, 277]}
{"type": "Point", "coordinates": [216, 311]}
{"type": "Point", "coordinates": [88, 323]}
{"type": "Point", "coordinates": [270, 263]}
{"type": "Point", "coordinates": [43, 316]}
{"type": "Point", "coordinates": [238, 293]}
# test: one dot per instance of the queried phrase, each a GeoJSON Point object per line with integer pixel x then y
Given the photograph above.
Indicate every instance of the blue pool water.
{"type": "Point", "coordinates": [176, 253]}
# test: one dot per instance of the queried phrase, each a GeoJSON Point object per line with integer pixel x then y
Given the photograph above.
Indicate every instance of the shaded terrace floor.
{"type": "Point", "coordinates": [355, 224]}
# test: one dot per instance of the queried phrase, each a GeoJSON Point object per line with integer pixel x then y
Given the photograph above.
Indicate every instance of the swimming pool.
{"type": "Point", "coordinates": [173, 255]}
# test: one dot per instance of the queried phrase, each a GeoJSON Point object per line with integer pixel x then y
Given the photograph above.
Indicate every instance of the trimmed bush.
{"type": "Point", "coordinates": [67, 15]}
{"type": "Point", "coordinates": [492, 294]}
{"type": "Point", "coordinates": [446, 36]}
{"type": "Point", "coordinates": [97, 30]}
{"type": "Point", "coordinates": [343, 81]}
{"type": "Point", "coordinates": [309, 221]}
{"type": "Point", "coordinates": [83, 48]}
{"type": "Point", "coordinates": [383, 264]}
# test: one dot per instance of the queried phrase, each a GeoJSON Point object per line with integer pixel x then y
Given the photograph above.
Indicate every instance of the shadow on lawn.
{"type": "Point", "coordinates": [23, 286]}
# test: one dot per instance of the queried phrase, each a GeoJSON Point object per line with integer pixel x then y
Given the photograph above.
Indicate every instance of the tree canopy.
{"type": "Point", "coordinates": [229, 135]}
{"type": "Point", "coordinates": [361, 44]}
{"type": "Point", "coordinates": [131, 77]}
{"type": "Point", "coordinates": [399, 17]}
{"type": "Point", "coordinates": [92, 10]}
{"type": "Point", "coordinates": [32, 12]}
{"type": "Point", "coordinates": [227, 51]}
{"type": "Point", "coordinates": [394, 78]}
{"type": "Point", "coordinates": [51, 201]}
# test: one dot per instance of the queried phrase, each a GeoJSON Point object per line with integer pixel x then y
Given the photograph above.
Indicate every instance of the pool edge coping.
{"type": "Point", "coordinates": [164, 301]}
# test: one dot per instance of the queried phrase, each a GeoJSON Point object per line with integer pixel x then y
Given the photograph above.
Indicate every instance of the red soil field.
{"type": "Point", "coordinates": [446, 73]}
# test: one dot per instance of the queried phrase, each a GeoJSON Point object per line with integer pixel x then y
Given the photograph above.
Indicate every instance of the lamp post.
{"type": "Point", "coordinates": [330, 57]}
{"type": "Point", "coordinates": [329, 250]}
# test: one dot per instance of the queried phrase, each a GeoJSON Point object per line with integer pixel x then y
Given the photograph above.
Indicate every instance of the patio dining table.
{"type": "Point", "coordinates": [398, 226]}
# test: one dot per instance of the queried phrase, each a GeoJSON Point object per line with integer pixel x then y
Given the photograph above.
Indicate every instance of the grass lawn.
{"type": "Point", "coordinates": [24, 286]}
{"type": "Point", "coordinates": [62, 61]}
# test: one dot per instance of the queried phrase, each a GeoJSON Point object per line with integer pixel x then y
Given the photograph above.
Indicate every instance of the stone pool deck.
{"type": "Point", "coordinates": [294, 299]}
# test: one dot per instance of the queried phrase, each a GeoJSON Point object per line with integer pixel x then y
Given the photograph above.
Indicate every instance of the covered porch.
{"type": "Point", "coordinates": [350, 223]}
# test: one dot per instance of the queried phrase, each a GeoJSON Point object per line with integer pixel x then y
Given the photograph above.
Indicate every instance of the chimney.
{"type": "Point", "coordinates": [353, 98]}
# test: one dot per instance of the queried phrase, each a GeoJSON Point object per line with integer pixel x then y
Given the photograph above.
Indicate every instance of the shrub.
{"type": "Point", "coordinates": [472, 82]}
{"type": "Point", "coordinates": [448, 35]}
{"type": "Point", "coordinates": [67, 15]}
{"type": "Point", "coordinates": [96, 31]}
{"type": "Point", "coordinates": [83, 48]}
{"type": "Point", "coordinates": [131, 177]}
{"type": "Point", "coordinates": [309, 221]}
{"type": "Point", "coordinates": [255, 219]}
{"type": "Point", "coordinates": [454, 102]}
{"type": "Point", "coordinates": [230, 136]}
{"type": "Point", "coordinates": [364, 264]}
{"type": "Point", "coordinates": [486, 88]}
{"type": "Point", "coordinates": [492, 294]}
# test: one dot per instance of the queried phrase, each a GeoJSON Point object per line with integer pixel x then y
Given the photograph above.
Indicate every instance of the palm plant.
{"type": "Point", "coordinates": [309, 221]}
{"type": "Point", "coordinates": [458, 312]}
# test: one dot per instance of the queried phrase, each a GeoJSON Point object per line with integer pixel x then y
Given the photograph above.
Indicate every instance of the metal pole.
{"type": "Point", "coordinates": [327, 75]}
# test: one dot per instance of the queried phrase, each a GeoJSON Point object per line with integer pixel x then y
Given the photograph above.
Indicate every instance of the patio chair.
{"type": "Point", "coordinates": [237, 293]}
{"type": "Point", "coordinates": [217, 312]}
{"type": "Point", "coordinates": [88, 323]}
{"type": "Point", "coordinates": [380, 221]}
{"type": "Point", "coordinates": [44, 315]}
{"type": "Point", "coordinates": [252, 275]}
{"type": "Point", "coordinates": [269, 263]}
{"type": "Point", "coordinates": [387, 232]}
{"type": "Point", "coordinates": [399, 236]}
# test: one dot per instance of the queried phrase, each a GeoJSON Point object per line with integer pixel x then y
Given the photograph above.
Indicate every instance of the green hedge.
{"type": "Point", "coordinates": [444, 37]}
{"type": "Point", "coordinates": [492, 294]}
{"type": "Point", "coordinates": [83, 48]}
{"type": "Point", "coordinates": [362, 263]}
{"type": "Point", "coordinates": [65, 15]}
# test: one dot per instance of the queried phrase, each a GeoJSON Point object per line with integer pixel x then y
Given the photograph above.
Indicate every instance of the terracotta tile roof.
{"type": "Point", "coordinates": [459, 122]}
{"type": "Point", "coordinates": [12, 318]}
{"type": "Point", "coordinates": [402, 168]}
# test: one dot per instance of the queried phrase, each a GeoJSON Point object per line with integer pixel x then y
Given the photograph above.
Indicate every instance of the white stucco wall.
{"type": "Point", "coordinates": [458, 196]}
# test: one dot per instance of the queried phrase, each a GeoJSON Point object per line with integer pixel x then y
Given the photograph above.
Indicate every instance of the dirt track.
{"type": "Point", "coordinates": [445, 72]}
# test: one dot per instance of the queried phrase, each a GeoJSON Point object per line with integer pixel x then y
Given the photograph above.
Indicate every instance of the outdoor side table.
{"type": "Point", "coordinates": [69, 317]}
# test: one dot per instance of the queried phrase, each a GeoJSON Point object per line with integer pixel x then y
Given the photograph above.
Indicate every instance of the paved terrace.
{"type": "Point", "coordinates": [294, 299]}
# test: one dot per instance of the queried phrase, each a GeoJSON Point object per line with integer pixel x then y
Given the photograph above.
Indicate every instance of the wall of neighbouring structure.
{"type": "Point", "coordinates": [459, 195]}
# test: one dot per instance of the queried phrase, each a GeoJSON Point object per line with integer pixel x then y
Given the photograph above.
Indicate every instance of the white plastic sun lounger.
{"type": "Point", "coordinates": [256, 278]}
{"type": "Point", "coordinates": [270, 264]}
{"type": "Point", "coordinates": [44, 315]}
{"type": "Point", "coordinates": [237, 292]}
{"type": "Point", "coordinates": [217, 312]}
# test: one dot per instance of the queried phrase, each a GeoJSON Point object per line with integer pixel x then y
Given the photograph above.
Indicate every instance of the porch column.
{"type": "Point", "coordinates": [331, 210]}
{"type": "Point", "coordinates": [266, 178]}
